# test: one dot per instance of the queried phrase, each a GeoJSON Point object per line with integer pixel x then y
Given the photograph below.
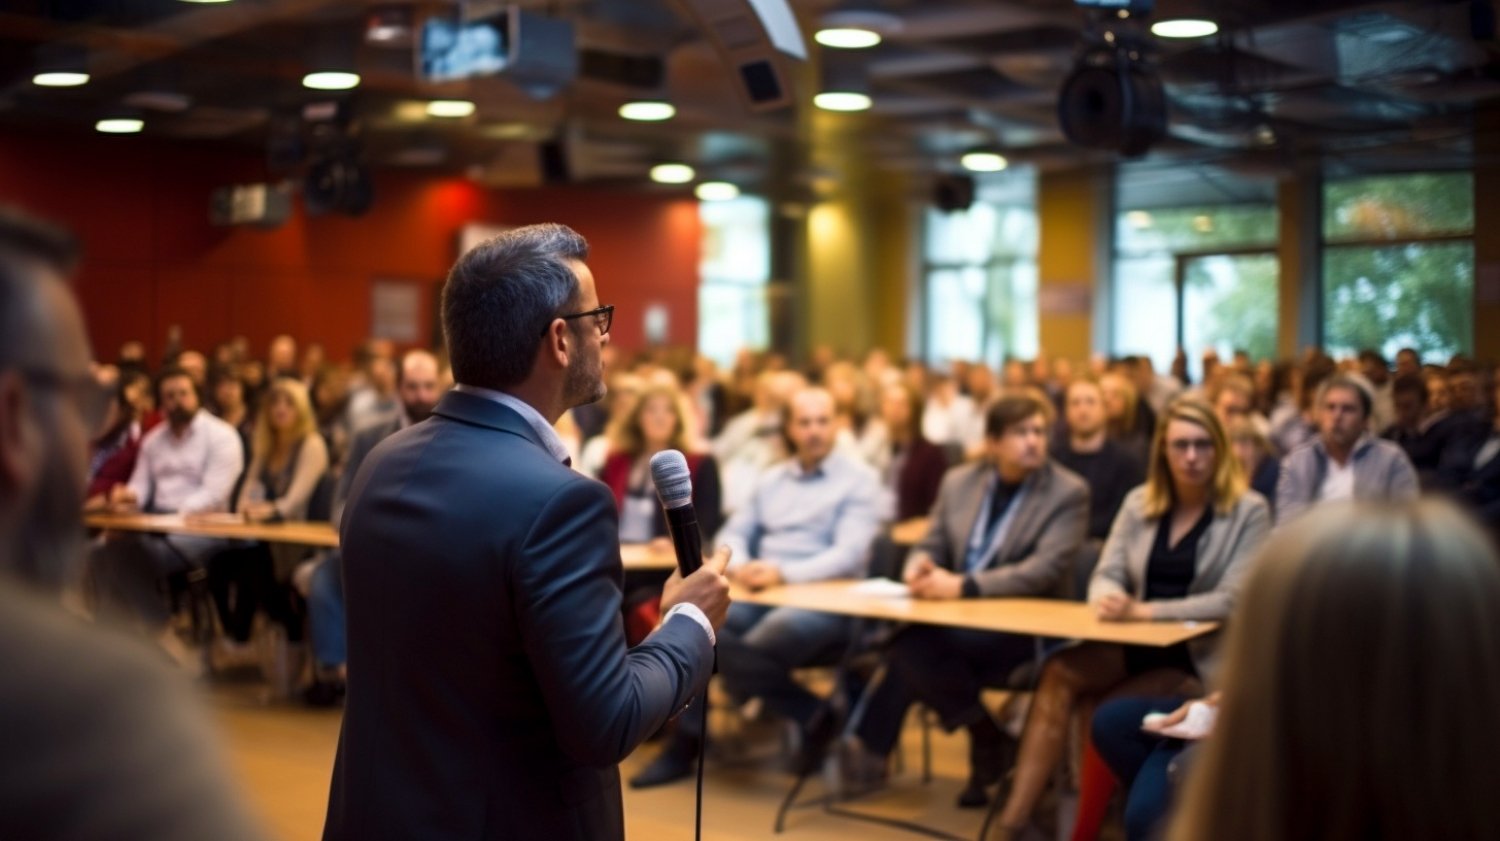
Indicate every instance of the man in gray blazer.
{"type": "Point", "coordinates": [491, 694]}
{"type": "Point", "coordinates": [1009, 525]}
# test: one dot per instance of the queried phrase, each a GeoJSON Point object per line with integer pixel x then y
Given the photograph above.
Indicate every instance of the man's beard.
{"type": "Point", "coordinates": [584, 382]}
{"type": "Point", "coordinates": [51, 540]}
{"type": "Point", "coordinates": [418, 412]}
{"type": "Point", "coordinates": [180, 416]}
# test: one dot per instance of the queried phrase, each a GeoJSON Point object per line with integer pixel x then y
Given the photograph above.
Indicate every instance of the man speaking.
{"type": "Point", "coordinates": [491, 694]}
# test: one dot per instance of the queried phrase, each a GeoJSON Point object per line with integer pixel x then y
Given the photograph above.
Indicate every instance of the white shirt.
{"type": "Point", "coordinates": [190, 474]}
{"type": "Point", "coordinates": [1338, 482]}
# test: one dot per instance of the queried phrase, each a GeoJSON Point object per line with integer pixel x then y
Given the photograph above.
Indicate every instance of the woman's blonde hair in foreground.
{"type": "Point", "coordinates": [1362, 686]}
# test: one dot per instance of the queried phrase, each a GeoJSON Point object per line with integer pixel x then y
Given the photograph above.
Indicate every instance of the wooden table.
{"type": "Point", "coordinates": [634, 556]}
{"type": "Point", "coordinates": [1034, 617]}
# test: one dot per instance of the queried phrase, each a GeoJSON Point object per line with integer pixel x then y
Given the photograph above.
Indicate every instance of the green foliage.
{"type": "Point", "coordinates": [1398, 206]}
{"type": "Point", "coordinates": [1418, 295]}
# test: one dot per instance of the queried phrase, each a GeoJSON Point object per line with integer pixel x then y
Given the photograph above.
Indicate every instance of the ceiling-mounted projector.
{"type": "Point", "coordinates": [1113, 101]}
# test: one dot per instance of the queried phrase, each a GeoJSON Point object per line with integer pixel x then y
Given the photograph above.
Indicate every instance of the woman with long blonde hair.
{"type": "Point", "coordinates": [1362, 680]}
{"type": "Point", "coordinates": [287, 460]}
{"type": "Point", "coordinates": [1177, 551]}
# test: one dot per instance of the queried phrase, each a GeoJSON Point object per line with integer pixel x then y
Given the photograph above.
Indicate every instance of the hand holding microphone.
{"type": "Point", "coordinates": [694, 582]}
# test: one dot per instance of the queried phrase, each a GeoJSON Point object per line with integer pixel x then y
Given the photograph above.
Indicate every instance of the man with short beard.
{"type": "Point", "coordinates": [418, 387]}
{"type": "Point", "coordinates": [188, 465]}
{"type": "Point", "coordinates": [99, 742]}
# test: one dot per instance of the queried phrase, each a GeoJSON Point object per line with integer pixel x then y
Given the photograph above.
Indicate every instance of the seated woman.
{"type": "Point", "coordinates": [1360, 686]}
{"type": "Point", "coordinates": [1249, 437]}
{"type": "Point", "coordinates": [911, 467]}
{"type": "Point", "coordinates": [288, 459]}
{"type": "Point", "coordinates": [1177, 551]}
{"type": "Point", "coordinates": [657, 421]}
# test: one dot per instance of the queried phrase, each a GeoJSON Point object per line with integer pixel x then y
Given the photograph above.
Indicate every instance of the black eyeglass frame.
{"type": "Point", "coordinates": [604, 318]}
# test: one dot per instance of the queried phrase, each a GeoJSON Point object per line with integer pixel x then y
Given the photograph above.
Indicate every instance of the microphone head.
{"type": "Point", "coordinates": [669, 472]}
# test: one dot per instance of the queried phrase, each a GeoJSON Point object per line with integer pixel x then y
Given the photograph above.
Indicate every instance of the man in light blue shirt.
{"type": "Point", "coordinates": [810, 518]}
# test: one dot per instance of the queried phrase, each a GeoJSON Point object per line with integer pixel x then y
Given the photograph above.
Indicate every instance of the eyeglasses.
{"type": "Point", "coordinates": [603, 318]}
{"type": "Point", "coordinates": [90, 396]}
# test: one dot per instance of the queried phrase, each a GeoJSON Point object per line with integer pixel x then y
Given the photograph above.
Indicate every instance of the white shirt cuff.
{"type": "Point", "coordinates": [694, 613]}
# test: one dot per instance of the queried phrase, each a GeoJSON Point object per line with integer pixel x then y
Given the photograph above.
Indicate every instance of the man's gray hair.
{"type": "Point", "coordinates": [501, 296]}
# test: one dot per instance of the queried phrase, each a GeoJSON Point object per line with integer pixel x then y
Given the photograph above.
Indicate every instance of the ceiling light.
{"type": "Point", "coordinates": [847, 38]}
{"type": "Point", "coordinates": [1184, 28]}
{"type": "Point", "coordinates": [648, 111]}
{"type": "Point", "coordinates": [984, 162]}
{"type": "Point", "coordinates": [842, 101]}
{"type": "Point", "coordinates": [120, 125]}
{"type": "Point", "coordinates": [1139, 219]}
{"type": "Point", "coordinates": [1203, 224]}
{"type": "Point", "coordinates": [716, 191]}
{"type": "Point", "coordinates": [60, 79]}
{"type": "Point", "coordinates": [450, 108]}
{"type": "Point", "coordinates": [672, 173]}
{"type": "Point", "coordinates": [331, 80]}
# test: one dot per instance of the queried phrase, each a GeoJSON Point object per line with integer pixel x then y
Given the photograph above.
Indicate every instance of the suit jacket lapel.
{"type": "Point", "coordinates": [961, 525]}
{"type": "Point", "coordinates": [481, 411]}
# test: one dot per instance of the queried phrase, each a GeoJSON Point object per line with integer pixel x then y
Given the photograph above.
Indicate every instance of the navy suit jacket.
{"type": "Point", "coordinates": [491, 694]}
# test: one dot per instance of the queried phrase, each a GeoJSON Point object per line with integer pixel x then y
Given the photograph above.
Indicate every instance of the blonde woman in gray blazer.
{"type": "Point", "coordinates": [1178, 550]}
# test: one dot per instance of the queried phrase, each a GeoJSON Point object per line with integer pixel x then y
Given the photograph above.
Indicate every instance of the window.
{"type": "Point", "coordinates": [980, 273]}
{"type": "Point", "coordinates": [1398, 264]}
{"type": "Point", "coordinates": [734, 270]}
{"type": "Point", "coordinates": [1198, 278]}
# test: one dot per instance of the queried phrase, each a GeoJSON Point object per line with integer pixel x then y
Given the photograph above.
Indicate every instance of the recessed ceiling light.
{"type": "Point", "coordinates": [1139, 219]}
{"type": "Point", "coordinates": [120, 125]}
{"type": "Point", "coordinates": [1184, 28]}
{"type": "Point", "coordinates": [672, 173]}
{"type": "Point", "coordinates": [450, 108]}
{"type": "Point", "coordinates": [847, 38]}
{"type": "Point", "coordinates": [60, 79]}
{"type": "Point", "coordinates": [331, 80]}
{"type": "Point", "coordinates": [648, 111]}
{"type": "Point", "coordinates": [716, 191]}
{"type": "Point", "coordinates": [984, 162]}
{"type": "Point", "coordinates": [842, 101]}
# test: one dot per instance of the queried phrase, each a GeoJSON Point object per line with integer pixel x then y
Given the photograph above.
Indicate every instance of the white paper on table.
{"type": "Point", "coordinates": [882, 588]}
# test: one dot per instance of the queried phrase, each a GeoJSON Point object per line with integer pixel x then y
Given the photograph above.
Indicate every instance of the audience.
{"type": "Point", "coordinates": [1252, 449]}
{"type": "Point", "coordinates": [1356, 705]}
{"type": "Point", "coordinates": [288, 460]}
{"type": "Point", "coordinates": [188, 465]}
{"type": "Point", "coordinates": [1177, 551]}
{"type": "Point", "coordinates": [131, 415]}
{"type": "Point", "coordinates": [805, 507]}
{"type": "Point", "coordinates": [911, 467]}
{"type": "Point", "coordinates": [1345, 461]}
{"type": "Point", "coordinates": [811, 518]}
{"type": "Point", "coordinates": [1085, 448]}
{"type": "Point", "coordinates": [1009, 525]}
{"type": "Point", "coordinates": [658, 421]}
{"type": "Point", "coordinates": [322, 580]}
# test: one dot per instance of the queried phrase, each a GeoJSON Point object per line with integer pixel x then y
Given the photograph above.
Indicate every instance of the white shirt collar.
{"type": "Point", "coordinates": [550, 439]}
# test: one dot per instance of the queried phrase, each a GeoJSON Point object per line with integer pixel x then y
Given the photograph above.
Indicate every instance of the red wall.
{"type": "Point", "coordinates": [152, 259]}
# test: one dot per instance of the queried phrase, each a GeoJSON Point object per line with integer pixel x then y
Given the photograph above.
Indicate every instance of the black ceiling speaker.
{"type": "Point", "coordinates": [953, 192]}
{"type": "Point", "coordinates": [1112, 100]}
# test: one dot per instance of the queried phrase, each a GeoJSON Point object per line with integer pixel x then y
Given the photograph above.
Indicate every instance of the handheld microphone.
{"type": "Point", "coordinates": [674, 486]}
